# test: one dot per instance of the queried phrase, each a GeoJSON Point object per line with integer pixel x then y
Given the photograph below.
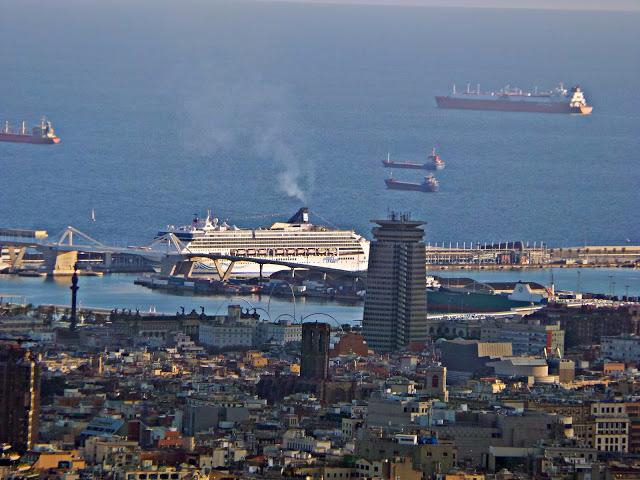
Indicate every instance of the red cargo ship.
{"type": "Point", "coordinates": [436, 162]}
{"type": "Point", "coordinates": [42, 134]}
{"type": "Point", "coordinates": [508, 99]}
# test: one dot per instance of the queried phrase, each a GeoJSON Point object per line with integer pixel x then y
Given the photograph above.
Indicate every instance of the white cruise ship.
{"type": "Point", "coordinates": [296, 241]}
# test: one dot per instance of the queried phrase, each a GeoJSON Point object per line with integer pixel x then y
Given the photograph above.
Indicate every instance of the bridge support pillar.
{"type": "Point", "coordinates": [224, 275]}
{"type": "Point", "coordinates": [184, 268]}
{"type": "Point", "coordinates": [107, 259]}
{"type": "Point", "coordinates": [59, 263]}
{"type": "Point", "coordinates": [16, 256]}
{"type": "Point", "coordinates": [168, 264]}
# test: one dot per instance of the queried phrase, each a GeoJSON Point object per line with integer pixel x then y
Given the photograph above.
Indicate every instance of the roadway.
{"type": "Point", "coordinates": [159, 249]}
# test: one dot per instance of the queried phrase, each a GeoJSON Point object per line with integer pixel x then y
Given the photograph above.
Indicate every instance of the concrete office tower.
{"type": "Point", "coordinates": [395, 308]}
{"type": "Point", "coordinates": [314, 364]}
{"type": "Point", "coordinates": [19, 396]}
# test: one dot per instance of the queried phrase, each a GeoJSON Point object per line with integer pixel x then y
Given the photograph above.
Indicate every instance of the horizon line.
{"type": "Point", "coordinates": [445, 4]}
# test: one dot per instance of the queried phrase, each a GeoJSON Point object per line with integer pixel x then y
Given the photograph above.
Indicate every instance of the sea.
{"type": "Point", "coordinates": [254, 109]}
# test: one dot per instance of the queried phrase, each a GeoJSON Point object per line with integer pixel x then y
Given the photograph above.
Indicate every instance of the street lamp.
{"type": "Point", "coordinates": [284, 315]}
{"type": "Point", "coordinates": [293, 296]}
{"type": "Point", "coordinates": [338, 324]}
{"type": "Point", "coordinates": [251, 306]}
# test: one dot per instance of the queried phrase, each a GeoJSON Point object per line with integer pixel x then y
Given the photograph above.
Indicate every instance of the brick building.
{"type": "Point", "coordinates": [587, 325]}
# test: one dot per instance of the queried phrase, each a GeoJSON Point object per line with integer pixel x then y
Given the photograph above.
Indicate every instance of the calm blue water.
{"type": "Point", "coordinates": [118, 291]}
{"type": "Point", "coordinates": [168, 108]}
{"type": "Point", "coordinates": [615, 281]}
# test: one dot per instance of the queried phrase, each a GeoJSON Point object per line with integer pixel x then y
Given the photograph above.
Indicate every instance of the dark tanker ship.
{"type": "Point", "coordinates": [434, 163]}
{"type": "Point", "coordinates": [430, 184]}
{"type": "Point", "coordinates": [42, 134]}
{"type": "Point", "coordinates": [559, 100]}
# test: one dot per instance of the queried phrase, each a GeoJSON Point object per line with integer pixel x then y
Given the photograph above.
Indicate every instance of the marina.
{"type": "Point", "coordinates": [118, 290]}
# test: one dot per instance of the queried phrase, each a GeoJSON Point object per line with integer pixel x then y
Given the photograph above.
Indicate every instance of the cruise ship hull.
{"type": "Point", "coordinates": [296, 243]}
{"type": "Point", "coordinates": [509, 105]}
{"type": "Point", "coordinates": [252, 269]}
{"type": "Point", "coordinates": [33, 139]}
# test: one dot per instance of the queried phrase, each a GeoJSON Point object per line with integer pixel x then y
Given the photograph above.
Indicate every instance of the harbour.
{"type": "Point", "coordinates": [118, 290]}
{"type": "Point", "coordinates": [216, 274]}
{"type": "Point", "coordinates": [310, 263]}
{"type": "Point", "coordinates": [262, 252]}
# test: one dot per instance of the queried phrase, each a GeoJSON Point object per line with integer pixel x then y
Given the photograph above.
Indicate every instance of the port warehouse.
{"type": "Point", "coordinates": [515, 253]}
{"type": "Point", "coordinates": [23, 233]}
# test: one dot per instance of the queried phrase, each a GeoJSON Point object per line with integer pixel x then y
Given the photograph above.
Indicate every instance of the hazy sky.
{"type": "Point", "coordinates": [628, 5]}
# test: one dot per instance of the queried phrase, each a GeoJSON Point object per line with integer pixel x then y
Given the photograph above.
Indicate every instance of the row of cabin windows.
{"type": "Point", "coordinates": [153, 476]}
{"type": "Point", "coordinates": [607, 409]}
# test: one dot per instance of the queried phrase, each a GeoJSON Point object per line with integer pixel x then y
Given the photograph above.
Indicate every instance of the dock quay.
{"type": "Point", "coordinates": [345, 291]}
{"type": "Point", "coordinates": [519, 255]}
{"type": "Point", "coordinates": [35, 252]}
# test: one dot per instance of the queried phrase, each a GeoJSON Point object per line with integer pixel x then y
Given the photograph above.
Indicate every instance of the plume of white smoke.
{"type": "Point", "coordinates": [269, 143]}
{"type": "Point", "coordinates": [251, 118]}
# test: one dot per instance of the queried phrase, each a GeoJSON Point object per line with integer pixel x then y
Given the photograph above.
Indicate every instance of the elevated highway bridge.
{"type": "Point", "coordinates": [60, 253]}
